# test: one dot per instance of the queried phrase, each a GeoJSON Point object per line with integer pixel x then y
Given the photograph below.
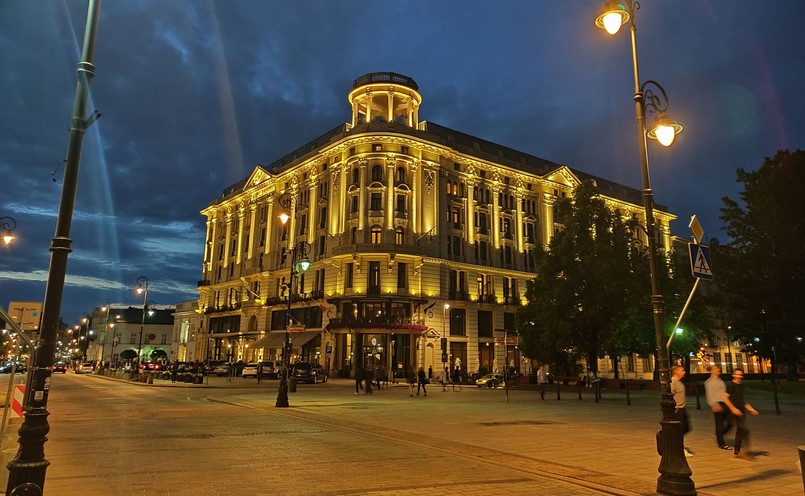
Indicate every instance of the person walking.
{"type": "Point", "coordinates": [430, 373]}
{"type": "Point", "coordinates": [457, 378]}
{"type": "Point", "coordinates": [715, 392]}
{"type": "Point", "coordinates": [410, 378]}
{"type": "Point", "coordinates": [680, 409]}
{"type": "Point", "coordinates": [174, 371]}
{"type": "Point", "coordinates": [739, 408]}
{"type": "Point", "coordinates": [422, 380]}
{"type": "Point", "coordinates": [542, 379]}
{"type": "Point", "coordinates": [358, 380]}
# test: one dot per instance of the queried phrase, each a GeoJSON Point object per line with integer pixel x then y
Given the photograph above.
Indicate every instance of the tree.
{"type": "Point", "coordinates": [128, 354]}
{"type": "Point", "coordinates": [584, 284]}
{"type": "Point", "coordinates": [761, 273]}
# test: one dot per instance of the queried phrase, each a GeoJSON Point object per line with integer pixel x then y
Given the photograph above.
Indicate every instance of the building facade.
{"type": "Point", "coordinates": [420, 240]}
{"type": "Point", "coordinates": [114, 329]}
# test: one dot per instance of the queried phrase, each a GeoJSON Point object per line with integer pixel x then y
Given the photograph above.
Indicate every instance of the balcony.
{"type": "Point", "coordinates": [459, 295]}
{"type": "Point", "coordinates": [487, 299]}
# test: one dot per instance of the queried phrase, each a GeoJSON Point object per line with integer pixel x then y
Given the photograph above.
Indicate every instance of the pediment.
{"type": "Point", "coordinates": [258, 176]}
{"type": "Point", "coordinates": [563, 175]}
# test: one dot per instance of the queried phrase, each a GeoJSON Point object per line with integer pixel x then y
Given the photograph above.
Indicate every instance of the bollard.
{"type": "Point", "coordinates": [802, 464]}
{"type": "Point", "coordinates": [628, 398]}
{"type": "Point", "coordinates": [557, 391]}
{"type": "Point", "coordinates": [580, 385]}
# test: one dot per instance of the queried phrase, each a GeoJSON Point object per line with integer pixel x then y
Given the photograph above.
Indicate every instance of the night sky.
{"type": "Point", "coordinates": [194, 94]}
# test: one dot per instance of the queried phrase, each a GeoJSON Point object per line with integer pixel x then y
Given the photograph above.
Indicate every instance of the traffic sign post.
{"type": "Point", "coordinates": [700, 264]}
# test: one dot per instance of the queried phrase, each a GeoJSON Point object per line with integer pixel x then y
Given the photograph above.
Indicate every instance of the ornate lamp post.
{"type": "Point", "coordinates": [674, 470]}
{"type": "Point", "coordinates": [105, 307]}
{"type": "Point", "coordinates": [142, 288]}
{"type": "Point", "coordinates": [7, 224]}
{"type": "Point", "coordinates": [299, 263]}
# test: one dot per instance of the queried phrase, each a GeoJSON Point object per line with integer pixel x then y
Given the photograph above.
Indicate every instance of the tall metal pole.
{"type": "Point", "coordinates": [142, 285]}
{"type": "Point", "coordinates": [105, 335]}
{"type": "Point", "coordinates": [27, 469]}
{"type": "Point", "coordinates": [282, 394]}
{"type": "Point", "coordinates": [674, 469]}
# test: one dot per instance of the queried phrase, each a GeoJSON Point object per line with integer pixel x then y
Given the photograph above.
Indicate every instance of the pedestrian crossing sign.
{"type": "Point", "coordinates": [700, 264]}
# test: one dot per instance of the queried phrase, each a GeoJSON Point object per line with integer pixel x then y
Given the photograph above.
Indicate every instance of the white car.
{"type": "Point", "coordinates": [249, 370]}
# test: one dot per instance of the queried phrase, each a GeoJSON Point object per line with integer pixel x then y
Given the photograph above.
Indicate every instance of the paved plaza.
{"type": "Point", "coordinates": [222, 438]}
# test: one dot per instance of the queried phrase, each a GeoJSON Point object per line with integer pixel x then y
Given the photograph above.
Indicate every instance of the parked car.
{"type": "Point", "coordinates": [59, 367]}
{"type": "Point", "coordinates": [6, 368]}
{"type": "Point", "coordinates": [221, 370]}
{"type": "Point", "coordinates": [85, 368]}
{"type": "Point", "coordinates": [271, 369]}
{"type": "Point", "coordinates": [152, 366]}
{"type": "Point", "coordinates": [309, 372]}
{"type": "Point", "coordinates": [489, 380]}
{"type": "Point", "coordinates": [249, 370]}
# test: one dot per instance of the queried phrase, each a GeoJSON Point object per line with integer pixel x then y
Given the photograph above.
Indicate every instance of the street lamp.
{"type": "Point", "coordinates": [674, 469]}
{"type": "Point", "coordinates": [142, 288]}
{"type": "Point", "coordinates": [7, 224]}
{"type": "Point", "coordinates": [105, 307]}
{"type": "Point", "coordinates": [299, 263]}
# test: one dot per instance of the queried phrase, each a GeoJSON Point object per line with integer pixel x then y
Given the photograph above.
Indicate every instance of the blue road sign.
{"type": "Point", "coordinates": [700, 264]}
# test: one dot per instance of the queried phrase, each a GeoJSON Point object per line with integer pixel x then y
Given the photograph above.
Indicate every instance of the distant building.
{"type": "Point", "coordinates": [123, 328]}
{"type": "Point", "coordinates": [420, 238]}
{"type": "Point", "coordinates": [188, 337]}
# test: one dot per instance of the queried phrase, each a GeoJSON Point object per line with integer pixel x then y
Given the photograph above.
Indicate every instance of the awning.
{"type": "Point", "coordinates": [277, 339]}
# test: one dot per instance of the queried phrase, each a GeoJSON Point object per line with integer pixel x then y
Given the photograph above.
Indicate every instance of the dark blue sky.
{"type": "Point", "coordinates": [195, 94]}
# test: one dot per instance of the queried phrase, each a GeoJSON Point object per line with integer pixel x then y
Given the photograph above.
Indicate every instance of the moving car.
{"type": "Point", "coordinates": [249, 370]}
{"type": "Point", "coordinates": [309, 372]}
{"type": "Point", "coordinates": [84, 368]}
{"type": "Point", "coordinates": [489, 380]}
{"type": "Point", "coordinates": [60, 367]}
{"type": "Point", "coordinates": [152, 366]}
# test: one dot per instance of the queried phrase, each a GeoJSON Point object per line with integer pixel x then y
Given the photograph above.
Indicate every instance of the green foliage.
{"type": "Point", "coordinates": [761, 273]}
{"type": "Point", "coordinates": [584, 285]}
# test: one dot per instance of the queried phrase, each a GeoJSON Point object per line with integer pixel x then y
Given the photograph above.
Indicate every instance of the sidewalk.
{"type": "Point", "coordinates": [607, 444]}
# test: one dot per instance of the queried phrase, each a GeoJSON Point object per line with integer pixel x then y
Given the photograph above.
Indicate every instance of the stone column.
{"type": "Point", "coordinates": [252, 226]}
{"type": "Point", "coordinates": [227, 234]}
{"type": "Point", "coordinates": [362, 195]}
{"type": "Point", "coordinates": [390, 195]}
{"type": "Point", "coordinates": [239, 250]}
{"type": "Point", "coordinates": [548, 201]}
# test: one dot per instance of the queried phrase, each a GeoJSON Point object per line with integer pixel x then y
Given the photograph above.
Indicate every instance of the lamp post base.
{"type": "Point", "coordinates": [674, 469]}
{"type": "Point", "coordinates": [282, 394]}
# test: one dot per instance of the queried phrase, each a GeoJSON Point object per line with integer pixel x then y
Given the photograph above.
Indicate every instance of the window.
{"type": "Point", "coordinates": [399, 236]}
{"type": "Point", "coordinates": [164, 339]}
{"type": "Point", "coordinates": [483, 250]}
{"type": "Point", "coordinates": [402, 275]}
{"type": "Point", "coordinates": [457, 322]}
{"type": "Point", "coordinates": [348, 275]}
{"type": "Point", "coordinates": [374, 278]}
{"type": "Point", "coordinates": [376, 234]}
{"type": "Point", "coordinates": [456, 218]}
{"type": "Point", "coordinates": [323, 217]}
{"type": "Point", "coordinates": [263, 236]}
{"type": "Point", "coordinates": [322, 244]}
{"type": "Point", "coordinates": [376, 201]}
{"type": "Point", "coordinates": [303, 224]}
{"type": "Point", "coordinates": [376, 147]}
{"type": "Point", "coordinates": [485, 324]}
{"type": "Point", "coordinates": [132, 340]}
{"type": "Point", "coordinates": [400, 204]}
{"type": "Point", "coordinates": [449, 187]}
{"type": "Point", "coordinates": [354, 208]}
{"type": "Point", "coordinates": [354, 236]}
{"type": "Point", "coordinates": [404, 150]}
{"type": "Point", "coordinates": [457, 245]}
{"type": "Point", "coordinates": [481, 286]}
{"type": "Point", "coordinates": [400, 175]}
{"type": "Point", "coordinates": [377, 173]}
{"type": "Point", "coordinates": [356, 175]}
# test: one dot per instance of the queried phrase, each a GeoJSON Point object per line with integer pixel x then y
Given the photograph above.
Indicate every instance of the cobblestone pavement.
{"type": "Point", "coordinates": [110, 437]}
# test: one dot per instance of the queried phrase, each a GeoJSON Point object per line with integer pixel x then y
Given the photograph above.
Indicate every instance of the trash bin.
{"type": "Point", "coordinates": [198, 379]}
{"type": "Point", "coordinates": [292, 382]}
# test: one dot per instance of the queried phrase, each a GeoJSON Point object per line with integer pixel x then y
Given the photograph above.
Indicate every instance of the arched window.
{"type": "Point", "coordinates": [377, 173]}
{"type": "Point", "coordinates": [356, 175]}
{"type": "Point", "coordinates": [354, 235]}
{"type": "Point", "coordinates": [455, 188]}
{"type": "Point", "coordinates": [449, 187]}
{"type": "Point", "coordinates": [399, 236]}
{"type": "Point", "coordinates": [400, 174]}
{"type": "Point", "coordinates": [376, 234]}
{"type": "Point", "coordinates": [461, 189]}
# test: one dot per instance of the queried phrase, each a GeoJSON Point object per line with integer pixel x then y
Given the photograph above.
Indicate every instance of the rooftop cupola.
{"type": "Point", "coordinates": [385, 97]}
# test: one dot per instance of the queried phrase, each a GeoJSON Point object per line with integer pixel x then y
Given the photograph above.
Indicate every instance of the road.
{"type": "Point", "coordinates": [109, 437]}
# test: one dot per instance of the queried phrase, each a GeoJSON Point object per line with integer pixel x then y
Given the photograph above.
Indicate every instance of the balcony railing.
{"type": "Point", "coordinates": [378, 323]}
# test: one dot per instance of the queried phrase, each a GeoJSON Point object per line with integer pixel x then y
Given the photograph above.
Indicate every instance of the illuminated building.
{"type": "Point", "coordinates": [402, 216]}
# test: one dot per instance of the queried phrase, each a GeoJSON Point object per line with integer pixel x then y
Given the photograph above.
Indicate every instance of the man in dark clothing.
{"type": "Point", "coordinates": [358, 380]}
{"type": "Point", "coordinates": [739, 408]}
